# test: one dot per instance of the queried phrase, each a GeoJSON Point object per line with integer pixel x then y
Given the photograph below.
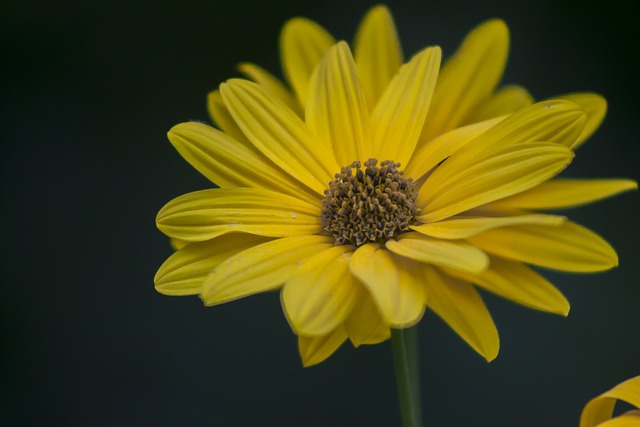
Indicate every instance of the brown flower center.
{"type": "Point", "coordinates": [371, 205]}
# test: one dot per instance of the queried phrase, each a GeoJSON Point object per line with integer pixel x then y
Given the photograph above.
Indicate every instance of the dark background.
{"type": "Point", "coordinates": [88, 90]}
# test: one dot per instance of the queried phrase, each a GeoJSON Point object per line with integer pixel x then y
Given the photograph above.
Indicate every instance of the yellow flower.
{"type": "Point", "coordinates": [365, 200]}
{"type": "Point", "coordinates": [599, 411]}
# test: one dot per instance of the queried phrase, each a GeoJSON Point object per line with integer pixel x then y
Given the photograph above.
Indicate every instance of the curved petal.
{"type": "Point", "coordinates": [314, 350]}
{"type": "Point", "coordinates": [279, 134]}
{"type": "Point", "coordinates": [595, 107]}
{"type": "Point", "coordinates": [318, 297]}
{"type": "Point", "coordinates": [560, 193]}
{"type": "Point", "coordinates": [397, 120]}
{"type": "Point", "coordinates": [203, 215]}
{"type": "Point", "coordinates": [568, 247]}
{"type": "Point", "coordinates": [378, 53]}
{"type": "Point", "coordinates": [271, 84]}
{"type": "Point", "coordinates": [555, 121]}
{"type": "Point", "coordinates": [506, 100]}
{"type": "Point", "coordinates": [463, 227]}
{"type": "Point", "coordinates": [364, 324]}
{"type": "Point", "coordinates": [260, 268]}
{"type": "Point", "coordinates": [459, 304]}
{"type": "Point", "coordinates": [600, 408]}
{"type": "Point", "coordinates": [457, 255]}
{"type": "Point", "coordinates": [626, 420]}
{"type": "Point", "coordinates": [429, 155]}
{"type": "Point", "coordinates": [230, 164]}
{"type": "Point", "coordinates": [222, 118]}
{"type": "Point", "coordinates": [336, 109]}
{"type": "Point", "coordinates": [184, 272]}
{"type": "Point", "coordinates": [468, 77]}
{"type": "Point", "coordinates": [303, 43]}
{"type": "Point", "coordinates": [464, 182]}
{"type": "Point", "coordinates": [394, 286]}
{"type": "Point", "coordinates": [519, 283]}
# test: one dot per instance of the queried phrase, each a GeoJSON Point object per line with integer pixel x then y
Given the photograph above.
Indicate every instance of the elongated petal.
{"type": "Point", "coordinates": [260, 268]}
{"type": "Point", "coordinates": [463, 227]}
{"type": "Point", "coordinates": [457, 255]}
{"type": "Point", "coordinates": [203, 215]}
{"type": "Point", "coordinates": [318, 297]}
{"type": "Point", "coordinates": [595, 107]}
{"type": "Point", "coordinates": [506, 100]}
{"type": "Point", "coordinates": [600, 408]}
{"type": "Point", "coordinates": [378, 52]}
{"type": "Point", "coordinates": [468, 78]}
{"type": "Point", "coordinates": [465, 182]}
{"type": "Point", "coordinates": [303, 43]}
{"type": "Point", "coordinates": [563, 193]}
{"type": "Point", "coordinates": [568, 247]}
{"type": "Point", "coordinates": [279, 134]}
{"type": "Point", "coordinates": [429, 155]}
{"type": "Point", "coordinates": [519, 283]}
{"type": "Point", "coordinates": [364, 324]}
{"type": "Point", "coordinates": [336, 108]}
{"type": "Point", "coordinates": [222, 118]}
{"type": "Point", "coordinates": [184, 272]}
{"type": "Point", "coordinates": [271, 84]}
{"type": "Point", "coordinates": [398, 117]}
{"type": "Point", "coordinates": [461, 307]}
{"type": "Point", "coordinates": [314, 350]}
{"type": "Point", "coordinates": [394, 287]}
{"type": "Point", "coordinates": [556, 121]}
{"type": "Point", "coordinates": [228, 163]}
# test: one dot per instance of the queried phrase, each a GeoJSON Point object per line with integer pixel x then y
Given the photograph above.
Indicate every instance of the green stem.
{"type": "Point", "coordinates": [404, 343]}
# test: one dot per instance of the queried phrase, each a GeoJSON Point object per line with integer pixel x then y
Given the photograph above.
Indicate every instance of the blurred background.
{"type": "Point", "coordinates": [88, 90]}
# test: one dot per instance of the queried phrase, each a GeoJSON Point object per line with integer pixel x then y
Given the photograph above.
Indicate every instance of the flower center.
{"type": "Point", "coordinates": [371, 205]}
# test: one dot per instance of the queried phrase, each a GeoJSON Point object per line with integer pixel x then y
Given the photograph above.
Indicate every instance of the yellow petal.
{"type": "Point", "coordinates": [556, 121]}
{"type": "Point", "coordinates": [429, 155]}
{"type": "Point", "coordinates": [318, 297]}
{"type": "Point", "coordinates": [461, 307]}
{"type": "Point", "coordinates": [631, 420]}
{"type": "Point", "coordinates": [468, 78]}
{"type": "Point", "coordinates": [519, 283]}
{"type": "Point", "coordinates": [271, 85]}
{"type": "Point", "coordinates": [364, 324]}
{"type": "Point", "coordinates": [563, 193]}
{"type": "Point", "coordinates": [203, 215]}
{"type": "Point", "coordinates": [457, 255]}
{"type": "Point", "coordinates": [260, 268]}
{"type": "Point", "coordinates": [314, 350]}
{"type": "Point", "coordinates": [378, 52]}
{"type": "Point", "coordinates": [464, 182]}
{"type": "Point", "coordinates": [279, 134]}
{"type": "Point", "coordinates": [568, 247]}
{"type": "Point", "coordinates": [463, 227]}
{"type": "Point", "coordinates": [222, 118]}
{"type": "Point", "coordinates": [184, 272]}
{"type": "Point", "coordinates": [336, 109]}
{"type": "Point", "coordinates": [397, 119]}
{"type": "Point", "coordinates": [600, 409]}
{"type": "Point", "coordinates": [228, 163]}
{"type": "Point", "coordinates": [178, 244]}
{"type": "Point", "coordinates": [595, 107]}
{"type": "Point", "coordinates": [303, 43]}
{"type": "Point", "coordinates": [394, 285]}
{"type": "Point", "coordinates": [506, 100]}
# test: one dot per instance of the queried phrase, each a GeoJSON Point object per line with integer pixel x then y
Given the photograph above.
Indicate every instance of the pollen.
{"type": "Point", "coordinates": [371, 205]}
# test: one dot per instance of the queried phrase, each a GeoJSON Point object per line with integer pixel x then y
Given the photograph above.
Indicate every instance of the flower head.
{"type": "Point", "coordinates": [599, 411]}
{"type": "Point", "coordinates": [377, 189]}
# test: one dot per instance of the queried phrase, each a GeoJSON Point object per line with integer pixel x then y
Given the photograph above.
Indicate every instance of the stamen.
{"type": "Point", "coordinates": [373, 205]}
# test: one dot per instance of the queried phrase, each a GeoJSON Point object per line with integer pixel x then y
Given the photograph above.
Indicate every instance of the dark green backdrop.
{"type": "Point", "coordinates": [88, 90]}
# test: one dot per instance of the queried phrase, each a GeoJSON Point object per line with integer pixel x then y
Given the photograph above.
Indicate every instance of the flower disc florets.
{"type": "Point", "coordinates": [371, 205]}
